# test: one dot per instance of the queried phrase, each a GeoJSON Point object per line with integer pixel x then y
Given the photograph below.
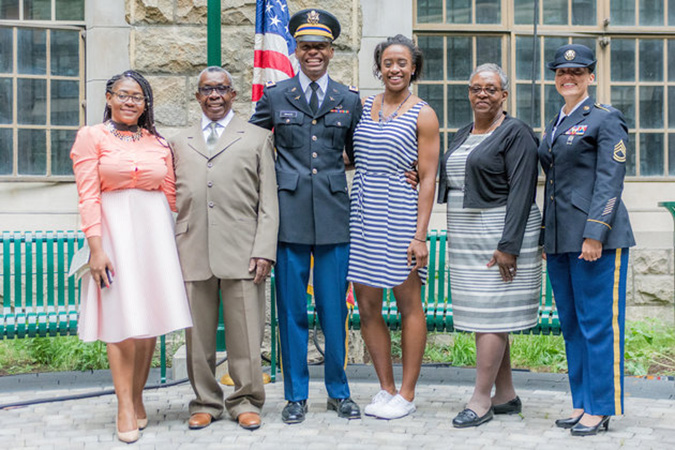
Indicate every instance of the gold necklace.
{"type": "Point", "coordinates": [124, 137]}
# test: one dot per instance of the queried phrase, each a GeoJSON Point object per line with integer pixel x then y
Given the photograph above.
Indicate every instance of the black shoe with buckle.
{"type": "Point", "coordinates": [468, 418]}
{"type": "Point", "coordinates": [294, 412]}
{"type": "Point", "coordinates": [345, 407]}
{"type": "Point", "coordinates": [515, 406]}
{"type": "Point", "coordinates": [569, 422]}
{"type": "Point", "coordinates": [590, 430]}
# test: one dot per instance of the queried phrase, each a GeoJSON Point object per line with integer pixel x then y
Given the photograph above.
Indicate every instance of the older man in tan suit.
{"type": "Point", "coordinates": [226, 233]}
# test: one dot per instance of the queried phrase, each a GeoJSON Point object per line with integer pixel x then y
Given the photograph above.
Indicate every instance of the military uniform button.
{"type": "Point", "coordinates": [314, 171]}
{"type": "Point", "coordinates": [313, 122]}
{"type": "Point", "coordinates": [314, 138]}
{"type": "Point", "coordinates": [210, 184]}
{"type": "Point", "coordinates": [315, 154]}
{"type": "Point", "coordinates": [288, 120]}
{"type": "Point", "coordinates": [211, 205]}
{"type": "Point", "coordinates": [339, 124]}
{"type": "Point", "coordinates": [551, 198]}
{"type": "Point", "coordinates": [551, 181]}
{"type": "Point", "coordinates": [549, 150]}
{"type": "Point", "coordinates": [209, 165]}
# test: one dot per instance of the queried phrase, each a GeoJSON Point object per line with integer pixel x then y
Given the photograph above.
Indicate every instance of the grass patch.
{"type": "Point", "coordinates": [649, 350]}
{"type": "Point", "coordinates": [65, 353]}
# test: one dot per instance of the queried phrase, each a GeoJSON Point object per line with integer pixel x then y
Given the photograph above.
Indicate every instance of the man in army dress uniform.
{"type": "Point", "coordinates": [313, 118]}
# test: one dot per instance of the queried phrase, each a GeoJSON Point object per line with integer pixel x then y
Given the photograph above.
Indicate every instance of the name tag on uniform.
{"type": "Point", "coordinates": [284, 114]}
{"type": "Point", "coordinates": [577, 130]}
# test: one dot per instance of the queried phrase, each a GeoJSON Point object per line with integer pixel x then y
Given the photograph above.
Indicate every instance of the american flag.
{"type": "Point", "coordinates": [274, 57]}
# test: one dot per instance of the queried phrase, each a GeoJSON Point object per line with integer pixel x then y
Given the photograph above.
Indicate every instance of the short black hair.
{"type": "Point", "coordinates": [147, 119]}
{"type": "Point", "coordinates": [415, 53]}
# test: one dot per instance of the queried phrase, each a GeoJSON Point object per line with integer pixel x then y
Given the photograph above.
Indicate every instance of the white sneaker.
{"type": "Point", "coordinates": [381, 398]}
{"type": "Point", "coordinates": [395, 408]}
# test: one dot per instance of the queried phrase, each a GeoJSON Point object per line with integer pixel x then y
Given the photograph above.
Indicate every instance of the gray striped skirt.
{"type": "Point", "coordinates": [481, 301]}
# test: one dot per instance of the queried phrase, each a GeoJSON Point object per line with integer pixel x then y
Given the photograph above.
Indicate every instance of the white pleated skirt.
{"type": "Point", "coordinates": [147, 296]}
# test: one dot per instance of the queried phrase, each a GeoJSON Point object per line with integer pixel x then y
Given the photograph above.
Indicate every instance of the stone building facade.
{"type": "Point", "coordinates": [167, 41]}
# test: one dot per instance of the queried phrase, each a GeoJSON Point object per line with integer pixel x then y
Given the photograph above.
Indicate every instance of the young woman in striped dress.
{"type": "Point", "coordinates": [389, 219]}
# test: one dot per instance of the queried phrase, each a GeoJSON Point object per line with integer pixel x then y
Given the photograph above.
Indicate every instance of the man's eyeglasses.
{"type": "Point", "coordinates": [489, 90]}
{"type": "Point", "coordinates": [138, 99]}
{"type": "Point", "coordinates": [221, 90]}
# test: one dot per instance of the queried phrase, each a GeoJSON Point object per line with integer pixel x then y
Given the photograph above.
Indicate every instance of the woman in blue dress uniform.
{"type": "Point", "coordinates": [586, 234]}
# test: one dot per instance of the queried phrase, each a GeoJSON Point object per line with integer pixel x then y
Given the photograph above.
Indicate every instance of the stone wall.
{"type": "Point", "coordinates": [168, 44]}
{"type": "Point", "coordinates": [650, 284]}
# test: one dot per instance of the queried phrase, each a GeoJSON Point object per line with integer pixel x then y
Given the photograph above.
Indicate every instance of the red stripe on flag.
{"type": "Point", "coordinates": [272, 60]}
{"type": "Point", "coordinates": [257, 92]}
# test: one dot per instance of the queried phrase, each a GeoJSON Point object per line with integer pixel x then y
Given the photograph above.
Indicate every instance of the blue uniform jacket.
{"type": "Point", "coordinates": [313, 197]}
{"type": "Point", "coordinates": [585, 167]}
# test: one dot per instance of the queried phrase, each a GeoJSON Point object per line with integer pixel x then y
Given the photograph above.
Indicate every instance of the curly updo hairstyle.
{"type": "Point", "coordinates": [147, 119]}
{"type": "Point", "coordinates": [415, 53]}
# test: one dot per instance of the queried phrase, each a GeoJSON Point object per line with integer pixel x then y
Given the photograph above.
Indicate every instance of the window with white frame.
{"type": "Point", "coordinates": [41, 87]}
{"type": "Point", "coordinates": [634, 41]}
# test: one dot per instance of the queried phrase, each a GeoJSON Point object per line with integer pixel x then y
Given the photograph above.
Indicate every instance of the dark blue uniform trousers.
{"type": "Point", "coordinates": [330, 291]}
{"type": "Point", "coordinates": [591, 302]}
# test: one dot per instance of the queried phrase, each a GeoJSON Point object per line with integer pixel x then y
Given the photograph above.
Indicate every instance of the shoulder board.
{"type": "Point", "coordinates": [270, 83]}
{"type": "Point", "coordinates": [354, 89]}
{"type": "Point", "coordinates": [603, 107]}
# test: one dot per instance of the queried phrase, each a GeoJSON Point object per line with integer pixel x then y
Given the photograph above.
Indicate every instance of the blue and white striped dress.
{"type": "Point", "coordinates": [383, 217]}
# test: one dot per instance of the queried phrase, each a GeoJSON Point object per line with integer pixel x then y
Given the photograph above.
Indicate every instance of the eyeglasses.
{"type": "Point", "coordinates": [138, 99]}
{"type": "Point", "coordinates": [574, 71]}
{"type": "Point", "coordinates": [489, 90]}
{"type": "Point", "coordinates": [221, 90]}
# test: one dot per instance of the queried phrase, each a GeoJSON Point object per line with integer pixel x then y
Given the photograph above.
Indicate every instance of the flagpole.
{"type": "Point", "coordinates": [213, 24]}
{"type": "Point", "coordinates": [214, 58]}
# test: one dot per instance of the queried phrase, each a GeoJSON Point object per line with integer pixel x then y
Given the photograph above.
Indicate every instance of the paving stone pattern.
{"type": "Point", "coordinates": [442, 392]}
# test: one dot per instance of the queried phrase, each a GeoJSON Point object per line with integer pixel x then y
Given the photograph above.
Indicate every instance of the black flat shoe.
{"type": "Point", "coordinates": [345, 407]}
{"type": "Point", "coordinates": [569, 422]}
{"type": "Point", "coordinates": [469, 418]}
{"type": "Point", "coordinates": [515, 406]}
{"type": "Point", "coordinates": [294, 412]}
{"type": "Point", "coordinates": [584, 430]}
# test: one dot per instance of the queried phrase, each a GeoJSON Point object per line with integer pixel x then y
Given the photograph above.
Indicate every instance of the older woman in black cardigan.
{"type": "Point", "coordinates": [488, 178]}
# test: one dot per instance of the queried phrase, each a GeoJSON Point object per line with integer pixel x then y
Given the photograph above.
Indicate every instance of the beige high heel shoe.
{"type": "Point", "coordinates": [127, 436]}
{"type": "Point", "coordinates": [142, 423]}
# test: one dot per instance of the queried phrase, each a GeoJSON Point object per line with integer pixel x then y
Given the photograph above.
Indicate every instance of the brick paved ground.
{"type": "Point", "coordinates": [89, 423]}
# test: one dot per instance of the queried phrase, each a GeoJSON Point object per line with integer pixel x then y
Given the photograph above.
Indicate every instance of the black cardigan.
{"type": "Point", "coordinates": [501, 170]}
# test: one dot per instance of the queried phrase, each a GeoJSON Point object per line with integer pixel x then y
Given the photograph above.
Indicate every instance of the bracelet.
{"type": "Point", "coordinates": [420, 240]}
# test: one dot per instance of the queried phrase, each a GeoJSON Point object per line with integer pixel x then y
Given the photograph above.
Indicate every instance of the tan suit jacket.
{"type": "Point", "coordinates": [227, 214]}
{"type": "Point", "coordinates": [227, 201]}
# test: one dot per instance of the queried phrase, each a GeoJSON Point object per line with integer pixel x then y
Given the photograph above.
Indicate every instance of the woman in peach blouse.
{"type": "Point", "coordinates": [134, 290]}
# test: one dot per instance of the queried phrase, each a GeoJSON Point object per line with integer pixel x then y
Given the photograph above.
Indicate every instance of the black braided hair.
{"type": "Point", "coordinates": [147, 119]}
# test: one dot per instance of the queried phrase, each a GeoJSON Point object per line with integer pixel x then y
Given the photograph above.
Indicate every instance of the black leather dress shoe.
{"type": "Point", "coordinates": [345, 407]}
{"type": "Point", "coordinates": [469, 418]}
{"type": "Point", "coordinates": [584, 430]}
{"type": "Point", "coordinates": [515, 406]}
{"type": "Point", "coordinates": [294, 412]}
{"type": "Point", "coordinates": [569, 422]}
